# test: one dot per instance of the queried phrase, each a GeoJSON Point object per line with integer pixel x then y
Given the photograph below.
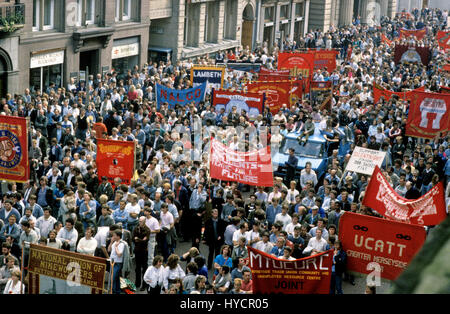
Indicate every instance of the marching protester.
{"type": "Point", "coordinates": [172, 197]}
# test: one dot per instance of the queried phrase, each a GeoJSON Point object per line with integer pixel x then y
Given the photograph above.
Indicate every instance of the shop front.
{"type": "Point", "coordinates": [46, 67]}
{"type": "Point", "coordinates": [125, 54]}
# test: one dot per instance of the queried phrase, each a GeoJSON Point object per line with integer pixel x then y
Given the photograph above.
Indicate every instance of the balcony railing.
{"type": "Point", "coordinates": [12, 17]}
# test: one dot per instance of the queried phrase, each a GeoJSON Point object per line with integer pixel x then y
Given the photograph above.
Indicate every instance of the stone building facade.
{"type": "Point", "coordinates": [63, 39]}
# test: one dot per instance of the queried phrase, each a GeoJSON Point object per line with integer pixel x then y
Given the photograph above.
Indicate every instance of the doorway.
{"type": "Point", "coordinates": [89, 62]}
{"type": "Point", "coordinates": [248, 19]}
{"type": "Point", "coordinates": [3, 77]}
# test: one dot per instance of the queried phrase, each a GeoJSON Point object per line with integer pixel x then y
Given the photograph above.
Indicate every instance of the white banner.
{"type": "Point", "coordinates": [46, 59]}
{"type": "Point", "coordinates": [125, 51]}
{"type": "Point", "coordinates": [364, 160]}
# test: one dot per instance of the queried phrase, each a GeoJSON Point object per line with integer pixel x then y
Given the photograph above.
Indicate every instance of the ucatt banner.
{"type": "Point", "coordinates": [180, 97]}
{"type": "Point", "coordinates": [54, 271]}
{"type": "Point", "coordinates": [428, 210]}
{"type": "Point", "coordinates": [379, 91]}
{"type": "Point", "coordinates": [371, 242]}
{"type": "Point", "coordinates": [364, 160]}
{"type": "Point", "coordinates": [252, 103]}
{"type": "Point", "coordinates": [310, 275]}
{"type": "Point", "coordinates": [428, 114]}
{"type": "Point", "coordinates": [115, 159]}
{"type": "Point", "coordinates": [252, 168]}
{"type": "Point", "coordinates": [278, 93]}
{"type": "Point", "coordinates": [14, 165]}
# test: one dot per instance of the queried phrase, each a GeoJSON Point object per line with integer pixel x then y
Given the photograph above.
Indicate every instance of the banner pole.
{"type": "Point", "coordinates": [21, 273]}
{"type": "Point", "coordinates": [111, 263]}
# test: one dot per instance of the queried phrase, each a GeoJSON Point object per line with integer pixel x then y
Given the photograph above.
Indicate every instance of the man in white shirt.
{"type": "Point", "coordinates": [87, 244]}
{"type": "Point", "coordinates": [283, 217]}
{"type": "Point", "coordinates": [68, 234]}
{"type": "Point", "coordinates": [133, 209]}
{"type": "Point", "coordinates": [265, 245]}
{"type": "Point", "coordinates": [45, 223]}
{"type": "Point", "coordinates": [242, 232]}
{"type": "Point", "coordinates": [167, 222]}
{"type": "Point", "coordinates": [117, 249]}
{"type": "Point", "coordinates": [316, 245]}
{"type": "Point", "coordinates": [154, 227]}
{"type": "Point", "coordinates": [253, 236]}
{"type": "Point", "coordinates": [307, 174]}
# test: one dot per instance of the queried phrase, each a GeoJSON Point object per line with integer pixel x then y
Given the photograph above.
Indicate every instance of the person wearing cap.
{"type": "Point", "coordinates": [264, 244]}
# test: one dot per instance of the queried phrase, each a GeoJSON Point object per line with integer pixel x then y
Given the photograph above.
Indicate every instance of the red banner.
{"type": "Point", "coordinates": [278, 93]}
{"type": "Point", "coordinates": [411, 54]}
{"type": "Point", "coordinates": [418, 33]}
{"type": "Point", "coordinates": [320, 86]}
{"type": "Point", "coordinates": [445, 90]}
{"type": "Point", "coordinates": [446, 67]}
{"type": "Point", "coordinates": [371, 242]}
{"type": "Point", "coordinates": [252, 103]}
{"type": "Point", "coordinates": [297, 63]}
{"type": "Point", "coordinates": [273, 75]}
{"type": "Point", "coordinates": [428, 210]}
{"type": "Point", "coordinates": [379, 91]}
{"type": "Point", "coordinates": [325, 59]}
{"type": "Point", "coordinates": [252, 168]}
{"type": "Point", "coordinates": [428, 114]}
{"type": "Point", "coordinates": [385, 40]}
{"type": "Point", "coordinates": [443, 39]}
{"type": "Point", "coordinates": [115, 159]}
{"type": "Point", "coordinates": [14, 164]}
{"type": "Point", "coordinates": [310, 275]}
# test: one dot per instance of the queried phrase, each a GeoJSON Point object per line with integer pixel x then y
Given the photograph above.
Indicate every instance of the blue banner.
{"type": "Point", "coordinates": [180, 97]}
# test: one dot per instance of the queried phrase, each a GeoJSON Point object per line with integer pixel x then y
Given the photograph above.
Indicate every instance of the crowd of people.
{"type": "Point", "coordinates": [171, 198]}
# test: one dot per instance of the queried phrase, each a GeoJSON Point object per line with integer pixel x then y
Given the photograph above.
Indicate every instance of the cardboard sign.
{"type": "Point", "coordinates": [364, 160]}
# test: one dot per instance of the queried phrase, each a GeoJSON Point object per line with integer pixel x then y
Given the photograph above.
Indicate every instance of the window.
{"type": "Point", "coordinates": [186, 24]}
{"type": "Point", "coordinates": [230, 20]}
{"type": "Point", "coordinates": [49, 14]}
{"type": "Point", "coordinates": [90, 11]}
{"type": "Point", "coordinates": [123, 10]}
{"type": "Point", "coordinates": [43, 15]}
{"type": "Point", "coordinates": [268, 14]}
{"type": "Point", "coordinates": [36, 12]}
{"type": "Point", "coordinates": [126, 10]}
{"type": "Point", "coordinates": [85, 8]}
{"type": "Point", "coordinates": [284, 12]}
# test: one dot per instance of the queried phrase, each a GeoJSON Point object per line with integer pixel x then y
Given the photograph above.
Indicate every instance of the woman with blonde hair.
{"type": "Point", "coordinates": [14, 285]}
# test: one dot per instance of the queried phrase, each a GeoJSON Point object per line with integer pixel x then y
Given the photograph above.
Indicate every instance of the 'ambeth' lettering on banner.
{"type": "Point", "coordinates": [208, 73]}
{"type": "Point", "coordinates": [260, 261]}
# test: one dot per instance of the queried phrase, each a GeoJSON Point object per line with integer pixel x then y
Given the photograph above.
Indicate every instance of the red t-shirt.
{"type": "Point", "coordinates": [247, 286]}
